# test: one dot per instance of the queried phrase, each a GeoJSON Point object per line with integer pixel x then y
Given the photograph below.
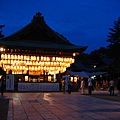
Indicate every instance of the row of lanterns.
{"type": "Point", "coordinates": [20, 63]}
{"type": "Point", "coordinates": [36, 58]}
{"type": "Point", "coordinates": [38, 63]}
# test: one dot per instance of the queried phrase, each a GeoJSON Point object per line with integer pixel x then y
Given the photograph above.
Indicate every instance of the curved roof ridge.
{"type": "Point", "coordinates": [38, 30]}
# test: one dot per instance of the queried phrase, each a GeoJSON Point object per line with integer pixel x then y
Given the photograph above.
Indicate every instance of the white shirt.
{"type": "Point", "coordinates": [82, 84]}
{"type": "Point", "coordinates": [111, 83]}
{"type": "Point", "coordinates": [90, 82]}
{"type": "Point", "coordinates": [66, 81]}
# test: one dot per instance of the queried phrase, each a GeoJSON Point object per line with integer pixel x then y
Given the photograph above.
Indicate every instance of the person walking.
{"type": "Point", "coordinates": [96, 85]}
{"type": "Point", "coordinates": [63, 85]}
{"type": "Point", "coordinates": [66, 79]}
{"type": "Point", "coordinates": [90, 85]}
{"type": "Point", "coordinates": [118, 86]}
{"type": "Point", "coordinates": [111, 84]}
{"type": "Point", "coordinates": [82, 86]}
{"type": "Point", "coordinates": [69, 86]}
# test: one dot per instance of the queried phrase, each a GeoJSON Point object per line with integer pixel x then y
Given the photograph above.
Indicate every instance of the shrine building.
{"type": "Point", "coordinates": [36, 53]}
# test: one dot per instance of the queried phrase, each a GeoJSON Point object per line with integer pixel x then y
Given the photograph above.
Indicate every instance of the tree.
{"type": "Point", "coordinates": [114, 47]}
{"type": "Point", "coordinates": [114, 39]}
{"type": "Point", "coordinates": [114, 35]}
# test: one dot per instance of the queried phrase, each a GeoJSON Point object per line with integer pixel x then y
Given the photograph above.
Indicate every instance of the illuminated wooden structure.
{"type": "Point", "coordinates": [37, 50]}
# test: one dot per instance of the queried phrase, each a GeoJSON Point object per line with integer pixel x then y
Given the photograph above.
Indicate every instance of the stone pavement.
{"type": "Point", "coordinates": [59, 106]}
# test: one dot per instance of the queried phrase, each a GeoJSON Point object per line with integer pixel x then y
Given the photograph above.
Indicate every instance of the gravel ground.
{"type": "Point", "coordinates": [4, 103]}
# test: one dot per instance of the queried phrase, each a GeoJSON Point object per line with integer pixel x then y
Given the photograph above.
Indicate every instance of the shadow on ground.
{"type": "Point", "coordinates": [114, 98]}
{"type": "Point", "coordinates": [4, 104]}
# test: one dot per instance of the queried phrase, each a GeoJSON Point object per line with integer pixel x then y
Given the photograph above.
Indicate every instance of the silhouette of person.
{"type": "Point", "coordinates": [118, 86]}
{"type": "Point", "coordinates": [111, 83]}
{"type": "Point", "coordinates": [90, 85]}
{"type": "Point", "coordinates": [2, 86]}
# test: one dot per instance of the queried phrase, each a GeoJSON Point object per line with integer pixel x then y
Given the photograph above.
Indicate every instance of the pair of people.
{"type": "Point", "coordinates": [82, 86]}
{"type": "Point", "coordinates": [90, 86]}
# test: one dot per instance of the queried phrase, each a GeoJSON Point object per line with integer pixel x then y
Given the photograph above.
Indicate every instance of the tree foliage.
{"type": "Point", "coordinates": [114, 39]}
{"type": "Point", "coordinates": [111, 52]}
{"type": "Point", "coordinates": [114, 34]}
{"type": "Point", "coordinates": [114, 47]}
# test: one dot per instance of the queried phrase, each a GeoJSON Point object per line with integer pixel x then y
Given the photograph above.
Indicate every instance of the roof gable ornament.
{"type": "Point", "coordinates": [38, 16]}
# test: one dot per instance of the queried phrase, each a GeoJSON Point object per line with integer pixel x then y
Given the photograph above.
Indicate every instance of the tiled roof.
{"type": "Point", "coordinates": [37, 34]}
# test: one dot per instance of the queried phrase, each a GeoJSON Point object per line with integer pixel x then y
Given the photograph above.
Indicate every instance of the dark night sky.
{"type": "Point", "coordinates": [82, 22]}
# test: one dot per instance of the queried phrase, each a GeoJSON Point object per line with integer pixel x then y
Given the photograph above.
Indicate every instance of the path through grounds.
{"type": "Point", "coordinates": [59, 106]}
